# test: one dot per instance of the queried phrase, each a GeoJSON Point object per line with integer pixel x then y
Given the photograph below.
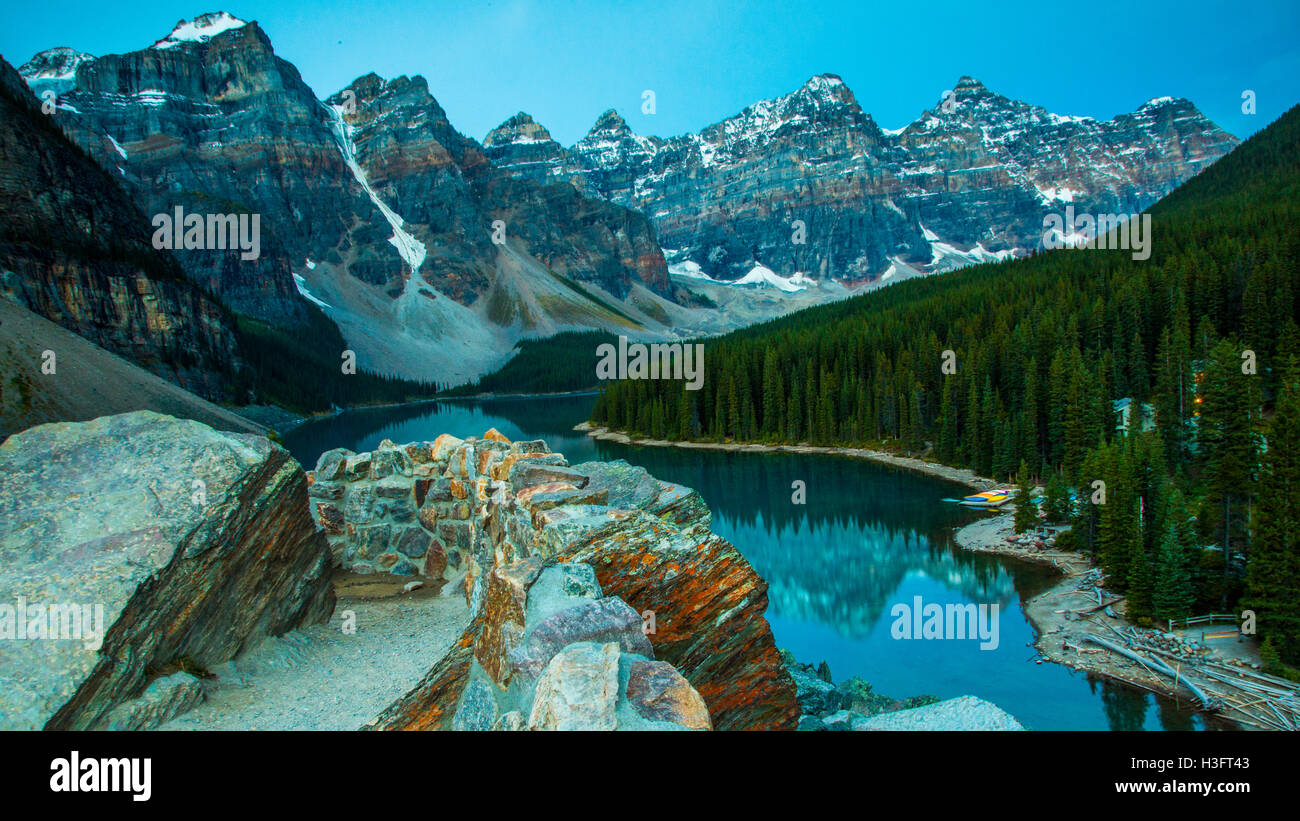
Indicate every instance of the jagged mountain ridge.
{"type": "Point", "coordinates": [970, 180]}
{"type": "Point", "coordinates": [376, 209]}
{"type": "Point", "coordinates": [371, 204]}
{"type": "Point", "coordinates": [76, 250]}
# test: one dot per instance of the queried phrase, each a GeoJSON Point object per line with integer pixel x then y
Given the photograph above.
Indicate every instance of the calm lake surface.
{"type": "Point", "coordinates": [869, 537]}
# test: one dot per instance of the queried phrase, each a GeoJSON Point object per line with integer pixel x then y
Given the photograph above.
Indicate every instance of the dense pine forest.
{"type": "Point", "coordinates": [557, 364]}
{"type": "Point", "coordinates": [301, 370]}
{"type": "Point", "coordinates": [1175, 381]}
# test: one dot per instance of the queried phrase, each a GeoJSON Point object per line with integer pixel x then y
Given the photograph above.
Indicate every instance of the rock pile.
{"type": "Point", "coordinates": [482, 505]}
{"type": "Point", "coordinates": [548, 651]}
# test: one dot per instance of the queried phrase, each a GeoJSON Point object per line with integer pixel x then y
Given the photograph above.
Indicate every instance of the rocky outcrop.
{"type": "Point", "coordinates": [504, 513]}
{"type": "Point", "coordinates": [75, 249]}
{"type": "Point", "coordinates": [970, 180]}
{"type": "Point", "coordinates": [420, 509]}
{"type": "Point", "coordinates": [145, 543]}
{"type": "Point", "coordinates": [548, 651]}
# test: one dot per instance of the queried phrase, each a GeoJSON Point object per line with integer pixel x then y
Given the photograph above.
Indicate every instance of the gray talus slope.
{"type": "Point", "coordinates": [87, 382]}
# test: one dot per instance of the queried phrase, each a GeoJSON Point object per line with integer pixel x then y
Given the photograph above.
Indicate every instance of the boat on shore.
{"type": "Point", "coordinates": [985, 499]}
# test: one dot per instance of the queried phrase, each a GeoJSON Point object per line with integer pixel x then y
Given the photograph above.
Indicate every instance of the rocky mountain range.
{"type": "Point", "coordinates": [371, 205]}
{"type": "Point", "coordinates": [435, 254]}
{"type": "Point", "coordinates": [970, 180]}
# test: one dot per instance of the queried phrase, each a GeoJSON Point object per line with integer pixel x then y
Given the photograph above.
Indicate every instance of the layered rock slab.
{"type": "Point", "coordinates": [179, 544]}
{"type": "Point", "coordinates": [547, 651]}
{"type": "Point", "coordinates": [699, 601]}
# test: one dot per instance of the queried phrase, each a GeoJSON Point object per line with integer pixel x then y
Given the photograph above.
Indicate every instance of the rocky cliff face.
{"type": "Point", "coordinates": [370, 204]}
{"type": "Point", "coordinates": [968, 181]}
{"type": "Point", "coordinates": [75, 249]}
{"type": "Point", "coordinates": [215, 125]}
{"type": "Point", "coordinates": [199, 546]}
{"type": "Point", "coordinates": [490, 515]}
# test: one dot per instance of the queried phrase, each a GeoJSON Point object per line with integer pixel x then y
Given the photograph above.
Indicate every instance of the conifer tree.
{"type": "Point", "coordinates": [1026, 517]}
{"type": "Point", "coordinates": [1226, 439]}
{"type": "Point", "coordinates": [1056, 500]}
{"type": "Point", "coordinates": [1273, 577]}
{"type": "Point", "coordinates": [1172, 596]}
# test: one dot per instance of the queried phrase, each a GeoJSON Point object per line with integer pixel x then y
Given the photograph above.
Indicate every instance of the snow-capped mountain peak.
{"type": "Point", "coordinates": [979, 168]}
{"type": "Point", "coordinates": [611, 122]}
{"type": "Point", "coordinates": [54, 69]}
{"type": "Point", "coordinates": [54, 64]}
{"type": "Point", "coordinates": [201, 29]}
{"type": "Point", "coordinates": [521, 129]}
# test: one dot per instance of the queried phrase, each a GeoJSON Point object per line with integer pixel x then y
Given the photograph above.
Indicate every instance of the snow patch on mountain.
{"type": "Point", "coordinates": [762, 275]}
{"type": "Point", "coordinates": [411, 250]}
{"type": "Point", "coordinates": [689, 268]}
{"type": "Point", "coordinates": [200, 30]}
{"type": "Point", "coordinates": [54, 69]}
{"type": "Point", "coordinates": [301, 285]}
{"type": "Point", "coordinates": [58, 63]}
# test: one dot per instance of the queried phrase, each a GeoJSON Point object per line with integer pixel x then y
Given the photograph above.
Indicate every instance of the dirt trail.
{"type": "Point", "coordinates": [320, 678]}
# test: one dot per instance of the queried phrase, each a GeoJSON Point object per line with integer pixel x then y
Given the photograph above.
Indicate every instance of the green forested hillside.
{"type": "Point", "coordinates": [560, 363]}
{"type": "Point", "coordinates": [1043, 348]}
{"type": "Point", "coordinates": [300, 368]}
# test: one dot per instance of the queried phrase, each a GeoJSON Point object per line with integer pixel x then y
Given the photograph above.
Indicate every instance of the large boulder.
{"type": "Point", "coordinates": [165, 542]}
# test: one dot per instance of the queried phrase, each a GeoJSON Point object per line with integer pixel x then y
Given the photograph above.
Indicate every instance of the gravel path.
{"type": "Point", "coordinates": [320, 678]}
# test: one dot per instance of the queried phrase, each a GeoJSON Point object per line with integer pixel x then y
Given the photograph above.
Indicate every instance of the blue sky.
{"type": "Point", "coordinates": [566, 62]}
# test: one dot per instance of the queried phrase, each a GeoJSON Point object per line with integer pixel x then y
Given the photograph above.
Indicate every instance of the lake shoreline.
{"type": "Point", "coordinates": [960, 475]}
{"type": "Point", "coordinates": [1062, 614]}
{"type": "Point", "coordinates": [253, 412]}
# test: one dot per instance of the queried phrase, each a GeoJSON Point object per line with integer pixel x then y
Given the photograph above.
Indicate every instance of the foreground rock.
{"type": "Point", "coordinates": [962, 713]}
{"type": "Point", "coordinates": [547, 651]}
{"type": "Point", "coordinates": [159, 543]}
{"type": "Point", "coordinates": [161, 701]}
{"type": "Point", "coordinates": [490, 515]}
{"type": "Point", "coordinates": [825, 705]}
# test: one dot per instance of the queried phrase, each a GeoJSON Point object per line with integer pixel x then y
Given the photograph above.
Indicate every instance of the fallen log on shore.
{"type": "Point", "coordinates": [1159, 666]}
